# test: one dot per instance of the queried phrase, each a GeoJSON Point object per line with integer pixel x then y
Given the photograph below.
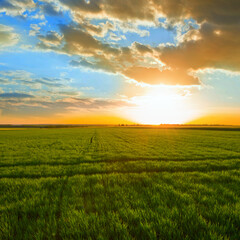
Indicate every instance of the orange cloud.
{"type": "Point", "coordinates": [118, 9]}
{"type": "Point", "coordinates": [155, 76]}
{"type": "Point", "coordinates": [218, 47]}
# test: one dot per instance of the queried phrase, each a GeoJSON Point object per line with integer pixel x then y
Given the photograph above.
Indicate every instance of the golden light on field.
{"type": "Point", "coordinates": [161, 106]}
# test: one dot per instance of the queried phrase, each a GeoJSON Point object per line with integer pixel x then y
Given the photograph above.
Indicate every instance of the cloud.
{"type": "Point", "coordinates": [217, 47]}
{"type": "Point", "coordinates": [4, 81]}
{"type": "Point", "coordinates": [117, 9]}
{"type": "Point", "coordinates": [35, 29]}
{"type": "Point", "coordinates": [93, 103]}
{"type": "Point", "coordinates": [7, 36]}
{"type": "Point", "coordinates": [50, 9]}
{"type": "Point", "coordinates": [76, 41]}
{"type": "Point", "coordinates": [15, 95]}
{"type": "Point", "coordinates": [114, 37]}
{"type": "Point", "coordinates": [48, 83]}
{"type": "Point", "coordinates": [99, 30]}
{"type": "Point", "coordinates": [39, 107]}
{"type": "Point", "coordinates": [132, 27]}
{"type": "Point", "coordinates": [51, 38]}
{"type": "Point", "coordinates": [142, 48]}
{"type": "Point", "coordinates": [16, 7]}
{"type": "Point", "coordinates": [214, 43]}
{"type": "Point", "coordinates": [154, 76]}
{"type": "Point", "coordinates": [128, 61]}
{"type": "Point", "coordinates": [214, 11]}
{"type": "Point", "coordinates": [101, 64]}
{"type": "Point", "coordinates": [18, 74]}
{"type": "Point", "coordinates": [48, 96]}
{"type": "Point", "coordinates": [40, 86]}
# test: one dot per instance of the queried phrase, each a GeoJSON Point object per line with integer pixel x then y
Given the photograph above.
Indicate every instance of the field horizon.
{"type": "Point", "coordinates": [161, 125]}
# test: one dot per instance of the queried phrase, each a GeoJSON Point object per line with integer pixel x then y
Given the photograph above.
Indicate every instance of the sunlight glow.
{"type": "Point", "coordinates": [161, 106]}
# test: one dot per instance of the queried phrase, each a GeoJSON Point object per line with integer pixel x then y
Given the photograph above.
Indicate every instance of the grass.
{"type": "Point", "coordinates": [119, 183]}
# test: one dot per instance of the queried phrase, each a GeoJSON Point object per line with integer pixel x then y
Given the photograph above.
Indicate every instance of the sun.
{"type": "Point", "coordinates": [161, 106]}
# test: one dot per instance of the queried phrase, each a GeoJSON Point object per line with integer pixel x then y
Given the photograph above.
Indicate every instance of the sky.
{"type": "Point", "coordinates": [119, 61]}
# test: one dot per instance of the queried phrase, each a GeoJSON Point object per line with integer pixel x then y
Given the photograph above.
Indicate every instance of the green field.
{"type": "Point", "coordinates": [119, 183]}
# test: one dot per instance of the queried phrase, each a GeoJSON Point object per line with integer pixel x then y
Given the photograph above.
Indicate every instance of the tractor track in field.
{"type": "Point", "coordinates": [116, 160]}
{"type": "Point", "coordinates": [91, 145]}
{"type": "Point", "coordinates": [126, 140]}
{"type": "Point", "coordinates": [202, 144]}
{"type": "Point", "coordinates": [205, 170]}
{"type": "Point", "coordinates": [58, 212]}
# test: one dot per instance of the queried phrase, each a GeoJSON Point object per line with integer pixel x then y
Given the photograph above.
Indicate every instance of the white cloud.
{"type": "Point", "coordinates": [7, 36]}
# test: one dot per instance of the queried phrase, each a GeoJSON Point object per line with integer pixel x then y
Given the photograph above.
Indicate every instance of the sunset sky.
{"type": "Point", "coordinates": [120, 61]}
